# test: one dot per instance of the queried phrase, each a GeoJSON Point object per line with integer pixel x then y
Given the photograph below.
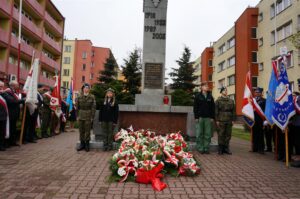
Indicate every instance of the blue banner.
{"type": "Point", "coordinates": [270, 102]}
{"type": "Point", "coordinates": [283, 107]}
{"type": "Point", "coordinates": [70, 97]}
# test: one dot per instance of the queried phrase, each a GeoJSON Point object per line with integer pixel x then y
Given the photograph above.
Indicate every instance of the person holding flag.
{"type": "Point", "coordinates": [45, 112]}
{"type": "Point", "coordinates": [55, 105]}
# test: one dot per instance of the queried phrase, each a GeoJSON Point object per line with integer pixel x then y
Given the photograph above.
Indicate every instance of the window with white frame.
{"type": "Point", "coordinates": [231, 42]}
{"type": "Point", "coordinates": [221, 83]}
{"type": "Point", "coordinates": [222, 49]}
{"type": "Point", "coordinates": [68, 48]}
{"type": "Point", "coordinates": [231, 80]}
{"type": "Point", "coordinates": [83, 78]}
{"type": "Point", "coordinates": [221, 66]}
{"type": "Point", "coordinates": [261, 66]}
{"type": "Point", "coordinates": [281, 5]}
{"type": "Point", "coordinates": [272, 11]}
{"type": "Point", "coordinates": [91, 75]}
{"type": "Point", "coordinates": [272, 38]}
{"type": "Point", "coordinates": [254, 56]}
{"type": "Point", "coordinates": [231, 61]}
{"type": "Point", "coordinates": [67, 60]}
{"type": "Point", "coordinates": [66, 72]}
{"type": "Point", "coordinates": [84, 55]}
{"type": "Point", "coordinates": [284, 31]}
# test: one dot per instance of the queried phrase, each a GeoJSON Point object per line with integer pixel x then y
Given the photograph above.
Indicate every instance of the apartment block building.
{"type": "Point", "coordinates": [41, 36]}
{"type": "Point", "coordinates": [276, 24]}
{"type": "Point", "coordinates": [82, 61]}
{"type": "Point", "coordinates": [197, 72]}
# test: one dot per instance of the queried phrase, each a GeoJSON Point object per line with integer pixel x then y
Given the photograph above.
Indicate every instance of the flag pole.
{"type": "Point", "coordinates": [286, 148]}
{"type": "Point", "coordinates": [23, 124]}
{"type": "Point", "coordinates": [19, 40]}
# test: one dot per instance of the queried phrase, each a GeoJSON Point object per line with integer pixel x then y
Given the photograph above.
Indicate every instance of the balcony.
{"type": "Point", "coordinates": [53, 23]}
{"type": "Point", "coordinates": [29, 25]}
{"type": "Point", "coordinates": [56, 46]}
{"type": "Point", "coordinates": [25, 48]}
{"type": "Point", "coordinates": [4, 36]}
{"type": "Point", "coordinates": [47, 81]}
{"type": "Point", "coordinates": [5, 7]}
{"type": "Point", "coordinates": [36, 6]}
{"type": "Point", "coordinates": [50, 62]}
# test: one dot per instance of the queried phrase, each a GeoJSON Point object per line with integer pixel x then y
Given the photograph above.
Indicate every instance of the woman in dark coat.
{"type": "Point", "coordinates": [108, 118]}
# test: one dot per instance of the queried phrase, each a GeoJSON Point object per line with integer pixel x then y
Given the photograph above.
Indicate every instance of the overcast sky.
{"type": "Point", "coordinates": [118, 24]}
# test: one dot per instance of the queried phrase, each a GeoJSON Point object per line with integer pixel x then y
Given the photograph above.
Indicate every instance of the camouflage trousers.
{"type": "Point", "coordinates": [224, 133]}
{"type": "Point", "coordinates": [108, 134]}
{"type": "Point", "coordinates": [85, 130]}
{"type": "Point", "coordinates": [45, 122]}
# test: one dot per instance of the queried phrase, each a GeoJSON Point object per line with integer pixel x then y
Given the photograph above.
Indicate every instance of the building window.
{"type": "Point", "coordinates": [221, 83]}
{"type": "Point", "coordinates": [222, 49]}
{"type": "Point", "coordinates": [281, 5]}
{"type": "Point", "coordinates": [231, 80]}
{"type": "Point", "coordinates": [68, 48]}
{"type": "Point", "coordinates": [260, 17]}
{"type": "Point", "coordinates": [231, 42]}
{"type": "Point", "coordinates": [231, 61]}
{"type": "Point", "coordinates": [66, 72]}
{"type": "Point", "coordinates": [298, 26]}
{"type": "Point", "coordinates": [254, 81]}
{"type": "Point", "coordinates": [210, 77]}
{"type": "Point", "coordinates": [210, 62]}
{"type": "Point", "coordinates": [65, 84]}
{"type": "Point", "coordinates": [93, 53]}
{"type": "Point", "coordinates": [84, 55]}
{"type": "Point", "coordinates": [254, 56]}
{"type": "Point", "coordinates": [253, 33]}
{"type": "Point", "coordinates": [272, 38]}
{"type": "Point", "coordinates": [67, 60]}
{"type": "Point", "coordinates": [272, 11]}
{"type": "Point", "coordinates": [261, 66]}
{"type": "Point", "coordinates": [221, 66]}
{"type": "Point", "coordinates": [284, 31]}
{"type": "Point", "coordinates": [83, 67]}
{"type": "Point", "coordinates": [83, 78]}
{"type": "Point", "coordinates": [261, 41]}
{"type": "Point", "coordinates": [91, 75]}
{"type": "Point", "coordinates": [92, 64]}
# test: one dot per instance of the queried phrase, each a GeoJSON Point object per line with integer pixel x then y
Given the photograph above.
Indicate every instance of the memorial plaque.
{"type": "Point", "coordinates": [153, 75]}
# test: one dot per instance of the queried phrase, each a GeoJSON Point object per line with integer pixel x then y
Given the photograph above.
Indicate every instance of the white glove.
{"type": "Point", "coordinates": [266, 123]}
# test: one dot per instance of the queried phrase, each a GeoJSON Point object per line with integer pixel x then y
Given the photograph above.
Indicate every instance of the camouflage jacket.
{"type": "Point", "coordinates": [86, 107]}
{"type": "Point", "coordinates": [45, 108]}
{"type": "Point", "coordinates": [225, 109]}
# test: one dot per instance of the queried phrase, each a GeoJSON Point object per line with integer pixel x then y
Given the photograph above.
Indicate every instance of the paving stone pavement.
{"type": "Point", "coordinates": [53, 169]}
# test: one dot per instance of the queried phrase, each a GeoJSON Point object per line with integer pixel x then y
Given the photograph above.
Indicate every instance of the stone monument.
{"type": "Point", "coordinates": [154, 53]}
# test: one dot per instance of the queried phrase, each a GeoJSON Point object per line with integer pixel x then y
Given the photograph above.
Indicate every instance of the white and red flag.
{"type": "Point", "coordinates": [248, 110]}
{"type": "Point", "coordinates": [55, 100]}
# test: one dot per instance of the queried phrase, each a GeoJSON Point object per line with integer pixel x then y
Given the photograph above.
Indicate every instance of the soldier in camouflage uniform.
{"type": "Point", "coordinates": [45, 113]}
{"type": "Point", "coordinates": [86, 107]}
{"type": "Point", "coordinates": [225, 113]}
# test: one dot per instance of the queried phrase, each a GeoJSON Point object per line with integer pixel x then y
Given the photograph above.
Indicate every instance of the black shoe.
{"type": "Point", "coordinates": [206, 152]}
{"type": "Point", "coordinates": [81, 146]}
{"type": "Point", "coordinates": [104, 148]}
{"type": "Point", "coordinates": [14, 144]}
{"type": "Point", "coordinates": [45, 136]}
{"type": "Point", "coordinates": [32, 141]}
{"type": "Point", "coordinates": [261, 152]}
{"type": "Point", "coordinates": [220, 150]}
{"type": "Point", "coordinates": [268, 150]}
{"type": "Point", "coordinates": [227, 151]}
{"type": "Point", "coordinates": [202, 152]}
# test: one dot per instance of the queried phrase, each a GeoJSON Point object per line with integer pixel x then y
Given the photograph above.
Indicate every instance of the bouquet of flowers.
{"type": "Point", "coordinates": [143, 156]}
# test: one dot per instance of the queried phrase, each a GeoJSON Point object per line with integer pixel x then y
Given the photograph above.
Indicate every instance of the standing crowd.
{"type": "Point", "coordinates": [221, 114]}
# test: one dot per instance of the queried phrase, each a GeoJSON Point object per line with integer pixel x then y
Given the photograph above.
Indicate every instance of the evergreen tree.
{"type": "Point", "coordinates": [109, 73]}
{"type": "Point", "coordinates": [132, 73]}
{"type": "Point", "coordinates": [183, 77]}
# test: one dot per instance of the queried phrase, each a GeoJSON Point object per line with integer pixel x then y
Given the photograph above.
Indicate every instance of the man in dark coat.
{"type": "Point", "coordinates": [13, 102]}
{"type": "Point", "coordinates": [204, 111]}
{"type": "Point", "coordinates": [258, 128]}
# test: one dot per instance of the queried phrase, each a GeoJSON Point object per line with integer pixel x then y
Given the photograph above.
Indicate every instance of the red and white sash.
{"type": "Point", "coordinates": [3, 103]}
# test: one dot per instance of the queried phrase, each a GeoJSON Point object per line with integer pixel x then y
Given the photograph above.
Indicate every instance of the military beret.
{"type": "Point", "coordinates": [259, 90]}
{"type": "Point", "coordinates": [85, 85]}
{"type": "Point", "coordinates": [222, 89]}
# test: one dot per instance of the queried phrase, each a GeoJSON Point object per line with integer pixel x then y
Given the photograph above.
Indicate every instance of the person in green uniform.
{"type": "Point", "coordinates": [86, 107]}
{"type": "Point", "coordinates": [225, 115]}
{"type": "Point", "coordinates": [108, 118]}
{"type": "Point", "coordinates": [204, 111]}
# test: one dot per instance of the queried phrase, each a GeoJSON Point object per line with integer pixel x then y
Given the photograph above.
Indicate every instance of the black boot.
{"type": "Point", "coordinates": [87, 146]}
{"type": "Point", "coordinates": [81, 146]}
{"type": "Point", "coordinates": [226, 150]}
{"type": "Point", "coordinates": [220, 150]}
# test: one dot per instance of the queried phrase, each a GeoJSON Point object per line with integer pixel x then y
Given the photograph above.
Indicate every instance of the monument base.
{"type": "Point", "coordinates": [152, 99]}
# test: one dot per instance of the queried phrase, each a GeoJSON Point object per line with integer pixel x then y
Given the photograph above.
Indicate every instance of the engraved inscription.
{"type": "Point", "coordinates": [153, 75]}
